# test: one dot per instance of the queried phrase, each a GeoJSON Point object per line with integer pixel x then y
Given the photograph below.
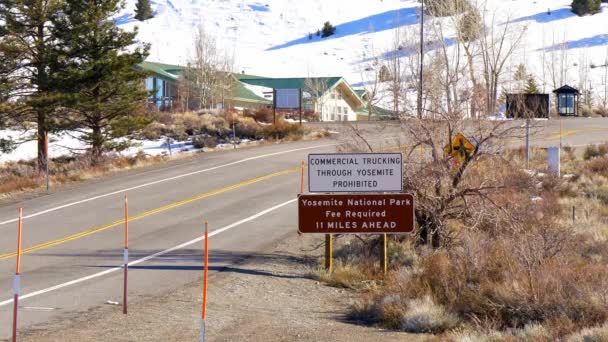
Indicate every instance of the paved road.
{"type": "Point", "coordinates": [73, 237]}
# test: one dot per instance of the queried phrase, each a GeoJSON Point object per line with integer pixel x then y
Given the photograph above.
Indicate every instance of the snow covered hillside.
{"type": "Point", "coordinates": [270, 37]}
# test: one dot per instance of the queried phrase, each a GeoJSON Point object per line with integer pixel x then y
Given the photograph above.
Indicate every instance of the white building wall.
{"type": "Point", "coordinates": [334, 107]}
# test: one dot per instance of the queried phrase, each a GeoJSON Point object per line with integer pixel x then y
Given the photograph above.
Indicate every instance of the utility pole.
{"type": "Point", "coordinates": [233, 132]}
{"type": "Point", "coordinates": [421, 58]}
{"type": "Point", "coordinates": [46, 163]}
{"type": "Point", "coordinates": [527, 143]}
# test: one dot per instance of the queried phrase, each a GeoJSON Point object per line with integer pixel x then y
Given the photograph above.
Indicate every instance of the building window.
{"type": "Point", "coordinates": [566, 103]}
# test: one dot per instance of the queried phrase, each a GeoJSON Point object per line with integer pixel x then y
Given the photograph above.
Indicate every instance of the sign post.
{"type": "Point", "coordinates": [329, 252]}
{"type": "Point", "coordinates": [385, 252]}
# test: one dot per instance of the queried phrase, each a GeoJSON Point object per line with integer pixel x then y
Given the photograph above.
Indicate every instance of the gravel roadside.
{"type": "Point", "coordinates": [267, 297]}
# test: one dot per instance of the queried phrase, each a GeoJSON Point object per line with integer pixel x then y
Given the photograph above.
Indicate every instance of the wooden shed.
{"type": "Point", "coordinates": [525, 106]}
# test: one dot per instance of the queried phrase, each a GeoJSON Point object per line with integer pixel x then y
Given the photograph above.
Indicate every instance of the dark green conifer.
{"type": "Point", "coordinates": [101, 85]}
{"type": "Point", "coordinates": [26, 43]}
{"type": "Point", "coordinates": [143, 10]}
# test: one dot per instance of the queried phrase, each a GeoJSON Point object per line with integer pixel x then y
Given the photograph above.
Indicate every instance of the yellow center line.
{"type": "Point", "coordinates": [148, 213]}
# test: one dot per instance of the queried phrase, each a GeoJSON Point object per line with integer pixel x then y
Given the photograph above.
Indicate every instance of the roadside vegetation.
{"type": "Point", "coordinates": [527, 263]}
{"type": "Point", "coordinates": [205, 132]}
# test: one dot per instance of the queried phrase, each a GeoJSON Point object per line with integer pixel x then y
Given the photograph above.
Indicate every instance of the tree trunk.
{"type": "Point", "coordinates": [42, 152]}
{"type": "Point", "coordinates": [96, 144]}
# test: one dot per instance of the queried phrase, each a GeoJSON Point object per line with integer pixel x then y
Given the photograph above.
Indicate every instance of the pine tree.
{"type": "Point", "coordinates": [531, 86]}
{"type": "Point", "coordinates": [521, 74]}
{"type": "Point", "coordinates": [327, 30]}
{"type": "Point", "coordinates": [101, 85]}
{"type": "Point", "coordinates": [583, 7]}
{"type": "Point", "coordinates": [143, 10]}
{"type": "Point", "coordinates": [26, 41]}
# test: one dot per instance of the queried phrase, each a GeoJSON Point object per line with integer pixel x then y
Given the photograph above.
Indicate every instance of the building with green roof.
{"type": "Point", "coordinates": [162, 83]}
{"type": "Point", "coordinates": [331, 97]}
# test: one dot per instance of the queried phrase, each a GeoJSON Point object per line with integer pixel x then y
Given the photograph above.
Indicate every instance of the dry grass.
{"type": "Point", "coordinates": [523, 271]}
{"type": "Point", "coordinates": [207, 131]}
{"type": "Point", "coordinates": [343, 276]}
{"type": "Point", "coordinates": [595, 334]}
{"type": "Point", "coordinates": [18, 177]}
{"type": "Point", "coordinates": [595, 151]}
{"type": "Point", "coordinates": [424, 316]}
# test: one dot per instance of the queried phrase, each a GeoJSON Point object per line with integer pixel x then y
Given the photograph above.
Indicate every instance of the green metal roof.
{"type": "Point", "coordinates": [240, 76]}
{"type": "Point", "coordinates": [377, 112]}
{"type": "Point", "coordinates": [360, 92]}
{"type": "Point", "coordinates": [241, 93]}
{"type": "Point", "coordinates": [165, 71]}
{"type": "Point", "coordinates": [290, 83]}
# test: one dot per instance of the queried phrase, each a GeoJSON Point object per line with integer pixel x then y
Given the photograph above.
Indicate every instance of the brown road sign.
{"type": "Point", "coordinates": [356, 213]}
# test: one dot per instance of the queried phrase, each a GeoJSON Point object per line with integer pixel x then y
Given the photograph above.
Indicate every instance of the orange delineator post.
{"type": "Point", "coordinates": [17, 281]}
{"type": "Point", "coordinates": [205, 276]}
{"type": "Point", "coordinates": [302, 179]}
{"type": "Point", "coordinates": [205, 271]}
{"type": "Point", "coordinates": [126, 256]}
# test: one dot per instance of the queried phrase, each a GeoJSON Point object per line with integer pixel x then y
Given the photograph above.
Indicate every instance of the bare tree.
{"type": "Point", "coordinates": [468, 31]}
{"type": "Point", "coordinates": [604, 77]}
{"type": "Point", "coordinates": [209, 72]}
{"type": "Point", "coordinates": [454, 185]}
{"type": "Point", "coordinates": [315, 89]}
{"type": "Point", "coordinates": [445, 84]}
{"type": "Point", "coordinates": [373, 74]}
{"type": "Point", "coordinates": [395, 87]}
{"type": "Point", "coordinates": [558, 63]}
{"type": "Point", "coordinates": [498, 42]}
{"type": "Point", "coordinates": [584, 83]}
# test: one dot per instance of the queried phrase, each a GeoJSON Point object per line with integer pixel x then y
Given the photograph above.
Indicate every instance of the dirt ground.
{"type": "Point", "coordinates": [268, 297]}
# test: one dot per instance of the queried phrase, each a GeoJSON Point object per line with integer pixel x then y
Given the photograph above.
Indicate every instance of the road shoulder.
{"type": "Point", "coordinates": [267, 297]}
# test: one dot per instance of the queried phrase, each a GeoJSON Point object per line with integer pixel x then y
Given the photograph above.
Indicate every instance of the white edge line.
{"type": "Point", "coordinates": [162, 181]}
{"type": "Point", "coordinates": [151, 256]}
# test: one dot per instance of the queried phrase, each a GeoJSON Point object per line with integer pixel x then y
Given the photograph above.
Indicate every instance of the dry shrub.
{"type": "Point", "coordinates": [260, 115]}
{"type": "Point", "coordinates": [521, 270]}
{"type": "Point", "coordinates": [214, 125]}
{"type": "Point", "coordinates": [153, 131]}
{"type": "Point", "coordinates": [247, 128]}
{"type": "Point", "coordinates": [283, 130]}
{"type": "Point", "coordinates": [319, 133]}
{"type": "Point", "coordinates": [23, 175]}
{"type": "Point", "coordinates": [19, 183]}
{"type": "Point", "coordinates": [598, 166]}
{"type": "Point", "coordinates": [412, 315]}
{"type": "Point", "coordinates": [343, 276]}
{"type": "Point", "coordinates": [532, 332]}
{"type": "Point", "coordinates": [515, 269]}
{"type": "Point", "coordinates": [202, 141]}
{"type": "Point", "coordinates": [191, 122]}
{"type": "Point", "coordinates": [595, 334]}
{"type": "Point", "coordinates": [424, 316]}
{"type": "Point", "coordinates": [594, 151]}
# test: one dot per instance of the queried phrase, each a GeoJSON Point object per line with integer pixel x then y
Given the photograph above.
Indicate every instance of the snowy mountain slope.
{"type": "Point", "coordinates": [271, 37]}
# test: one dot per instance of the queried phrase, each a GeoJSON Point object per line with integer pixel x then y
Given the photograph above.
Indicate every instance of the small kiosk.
{"type": "Point", "coordinates": [566, 100]}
